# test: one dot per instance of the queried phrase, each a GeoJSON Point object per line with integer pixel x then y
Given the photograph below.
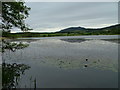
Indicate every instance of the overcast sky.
{"type": "Point", "coordinates": [54, 16]}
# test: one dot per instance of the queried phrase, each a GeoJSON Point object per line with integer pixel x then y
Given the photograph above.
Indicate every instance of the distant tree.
{"type": "Point", "coordinates": [14, 15]}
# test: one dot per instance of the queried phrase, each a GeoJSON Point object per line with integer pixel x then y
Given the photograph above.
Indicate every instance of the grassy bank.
{"type": "Point", "coordinates": [28, 34]}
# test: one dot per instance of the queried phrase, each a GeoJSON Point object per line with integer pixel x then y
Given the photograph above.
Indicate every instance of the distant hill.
{"type": "Point", "coordinates": [73, 29]}
{"type": "Point", "coordinates": [115, 29]}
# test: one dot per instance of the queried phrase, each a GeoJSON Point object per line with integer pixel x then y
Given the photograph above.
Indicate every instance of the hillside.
{"type": "Point", "coordinates": [72, 31]}
{"type": "Point", "coordinates": [114, 29]}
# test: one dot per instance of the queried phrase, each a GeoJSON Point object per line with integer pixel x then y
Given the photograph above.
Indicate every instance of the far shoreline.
{"type": "Point", "coordinates": [55, 36]}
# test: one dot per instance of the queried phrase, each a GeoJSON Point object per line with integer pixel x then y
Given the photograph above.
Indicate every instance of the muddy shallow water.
{"type": "Point", "coordinates": [68, 62]}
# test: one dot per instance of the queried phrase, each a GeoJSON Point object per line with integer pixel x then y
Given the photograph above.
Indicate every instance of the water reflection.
{"type": "Point", "coordinates": [113, 40]}
{"type": "Point", "coordinates": [74, 40]}
{"type": "Point", "coordinates": [11, 74]}
{"type": "Point", "coordinates": [97, 54]}
{"type": "Point", "coordinates": [79, 40]}
{"type": "Point", "coordinates": [13, 46]}
{"type": "Point", "coordinates": [68, 62]}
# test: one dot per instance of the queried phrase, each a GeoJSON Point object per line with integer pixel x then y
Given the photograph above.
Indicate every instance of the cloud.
{"type": "Point", "coordinates": [51, 16]}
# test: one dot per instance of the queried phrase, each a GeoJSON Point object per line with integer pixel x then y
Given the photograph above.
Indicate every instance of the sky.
{"type": "Point", "coordinates": [55, 16]}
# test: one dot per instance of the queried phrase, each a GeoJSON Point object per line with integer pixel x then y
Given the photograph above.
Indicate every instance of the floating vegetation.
{"type": "Point", "coordinates": [76, 64]}
{"type": "Point", "coordinates": [86, 59]}
{"type": "Point", "coordinates": [85, 65]}
{"type": "Point", "coordinates": [94, 62]}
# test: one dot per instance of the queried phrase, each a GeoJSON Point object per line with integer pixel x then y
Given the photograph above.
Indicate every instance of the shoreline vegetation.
{"type": "Point", "coordinates": [72, 31]}
{"type": "Point", "coordinates": [6, 35]}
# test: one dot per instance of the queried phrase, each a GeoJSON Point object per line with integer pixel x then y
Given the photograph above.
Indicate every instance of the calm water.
{"type": "Point", "coordinates": [68, 62]}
